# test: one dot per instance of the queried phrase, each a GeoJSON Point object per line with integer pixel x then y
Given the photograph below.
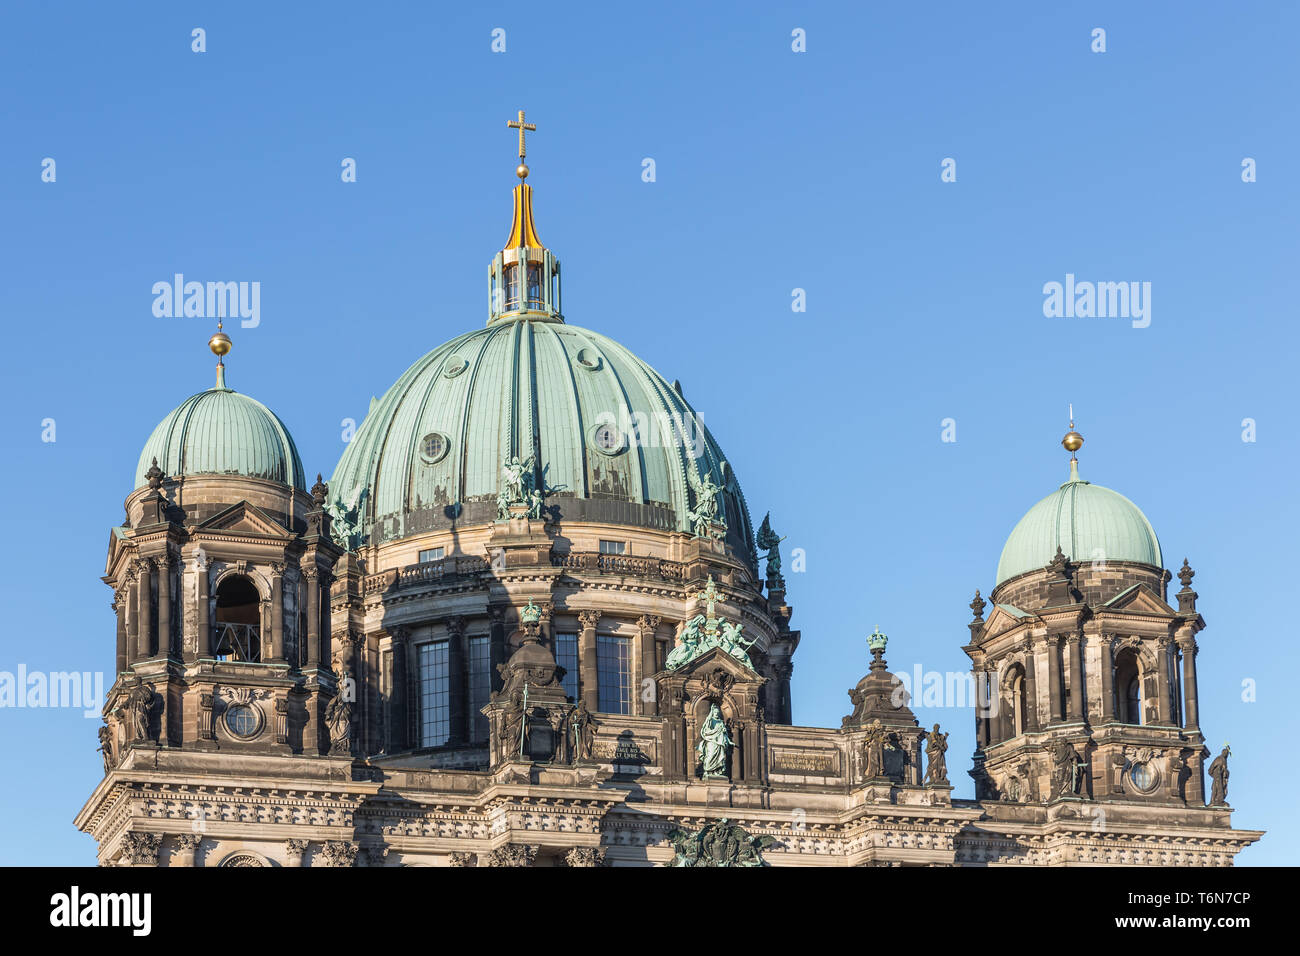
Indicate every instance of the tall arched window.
{"type": "Point", "coordinates": [237, 627]}
{"type": "Point", "coordinates": [1128, 687]}
{"type": "Point", "coordinates": [1018, 702]}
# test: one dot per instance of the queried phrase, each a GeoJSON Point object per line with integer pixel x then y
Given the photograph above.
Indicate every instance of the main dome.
{"type": "Point", "coordinates": [611, 439]}
{"type": "Point", "coordinates": [221, 432]}
{"type": "Point", "coordinates": [1087, 522]}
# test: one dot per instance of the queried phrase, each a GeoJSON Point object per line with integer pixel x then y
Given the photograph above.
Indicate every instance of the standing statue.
{"type": "Point", "coordinates": [1219, 774]}
{"type": "Point", "coordinates": [338, 717]}
{"type": "Point", "coordinates": [106, 747]}
{"type": "Point", "coordinates": [714, 746]}
{"type": "Point", "coordinates": [512, 721]}
{"type": "Point", "coordinates": [1068, 769]}
{"type": "Point", "coordinates": [582, 728]}
{"type": "Point", "coordinates": [875, 748]}
{"type": "Point", "coordinates": [139, 704]}
{"type": "Point", "coordinates": [936, 745]}
{"type": "Point", "coordinates": [768, 540]}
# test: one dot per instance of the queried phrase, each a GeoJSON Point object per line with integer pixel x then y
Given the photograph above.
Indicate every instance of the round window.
{"type": "Point", "coordinates": [607, 439]}
{"type": "Point", "coordinates": [589, 359]}
{"type": "Point", "coordinates": [434, 446]}
{"type": "Point", "coordinates": [1142, 777]}
{"type": "Point", "coordinates": [455, 365]}
{"type": "Point", "coordinates": [243, 721]}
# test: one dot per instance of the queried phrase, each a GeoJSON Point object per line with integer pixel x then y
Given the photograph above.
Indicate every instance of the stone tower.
{"type": "Point", "coordinates": [1087, 675]}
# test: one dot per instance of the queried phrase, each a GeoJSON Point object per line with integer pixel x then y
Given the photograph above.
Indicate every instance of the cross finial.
{"type": "Point", "coordinates": [523, 128]}
{"type": "Point", "coordinates": [708, 597]}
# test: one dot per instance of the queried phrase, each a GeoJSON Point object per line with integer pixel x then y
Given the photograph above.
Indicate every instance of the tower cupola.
{"type": "Point", "coordinates": [524, 278]}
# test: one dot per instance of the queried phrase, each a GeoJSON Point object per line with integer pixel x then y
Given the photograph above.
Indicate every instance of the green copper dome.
{"type": "Point", "coordinates": [221, 432]}
{"type": "Point", "coordinates": [1088, 523]}
{"type": "Point", "coordinates": [429, 455]}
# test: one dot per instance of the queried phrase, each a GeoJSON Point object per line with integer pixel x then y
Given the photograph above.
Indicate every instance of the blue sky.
{"type": "Point", "coordinates": [775, 170]}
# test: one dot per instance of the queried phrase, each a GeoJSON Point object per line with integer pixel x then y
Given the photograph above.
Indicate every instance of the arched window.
{"type": "Point", "coordinates": [237, 628]}
{"type": "Point", "coordinates": [535, 286]}
{"type": "Point", "coordinates": [512, 287]}
{"type": "Point", "coordinates": [1018, 702]}
{"type": "Point", "coordinates": [1128, 687]}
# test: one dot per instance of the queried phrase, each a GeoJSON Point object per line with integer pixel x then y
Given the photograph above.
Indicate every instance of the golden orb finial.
{"type": "Point", "coordinates": [220, 345]}
{"type": "Point", "coordinates": [521, 171]}
{"type": "Point", "coordinates": [1072, 441]}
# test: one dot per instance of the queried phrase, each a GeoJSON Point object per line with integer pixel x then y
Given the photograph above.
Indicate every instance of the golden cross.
{"type": "Point", "coordinates": [522, 127]}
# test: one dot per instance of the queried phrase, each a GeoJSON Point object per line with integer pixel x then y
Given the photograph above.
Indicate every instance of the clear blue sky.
{"type": "Point", "coordinates": [775, 170]}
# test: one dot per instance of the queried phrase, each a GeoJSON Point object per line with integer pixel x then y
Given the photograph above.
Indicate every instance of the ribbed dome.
{"type": "Point", "coordinates": [221, 432]}
{"type": "Point", "coordinates": [1088, 522]}
{"type": "Point", "coordinates": [430, 451]}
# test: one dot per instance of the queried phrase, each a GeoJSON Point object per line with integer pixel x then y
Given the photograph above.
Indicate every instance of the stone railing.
{"type": "Point", "coordinates": [430, 572]}
{"type": "Point", "coordinates": [620, 564]}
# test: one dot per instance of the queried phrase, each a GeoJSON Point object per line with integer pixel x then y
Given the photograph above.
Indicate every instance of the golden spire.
{"type": "Point", "coordinates": [1072, 442]}
{"type": "Point", "coordinates": [522, 170]}
{"type": "Point", "coordinates": [220, 346]}
{"type": "Point", "coordinates": [522, 230]}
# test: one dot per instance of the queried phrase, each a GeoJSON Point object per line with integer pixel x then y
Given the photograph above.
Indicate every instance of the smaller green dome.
{"type": "Point", "coordinates": [1087, 522]}
{"type": "Point", "coordinates": [221, 432]}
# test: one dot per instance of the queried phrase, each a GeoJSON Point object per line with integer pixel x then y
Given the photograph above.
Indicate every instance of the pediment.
{"type": "Point", "coordinates": [1139, 599]}
{"type": "Point", "coordinates": [716, 658]}
{"type": "Point", "coordinates": [1003, 618]}
{"type": "Point", "coordinates": [245, 518]}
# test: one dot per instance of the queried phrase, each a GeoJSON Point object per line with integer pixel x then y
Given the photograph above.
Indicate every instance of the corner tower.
{"type": "Point", "coordinates": [1087, 673]}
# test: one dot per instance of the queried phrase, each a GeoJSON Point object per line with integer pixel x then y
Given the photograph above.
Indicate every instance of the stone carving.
{"type": "Point", "coordinates": [106, 747]}
{"type": "Point", "coordinates": [463, 859]}
{"type": "Point", "coordinates": [512, 854]}
{"type": "Point", "coordinates": [338, 717]}
{"type": "Point", "coordinates": [874, 745]}
{"type": "Point", "coordinates": [705, 514]}
{"type": "Point", "coordinates": [513, 731]}
{"type": "Point", "coordinates": [768, 540]}
{"type": "Point", "coordinates": [720, 843]}
{"type": "Point", "coordinates": [586, 856]}
{"type": "Point", "coordinates": [715, 746]}
{"type": "Point", "coordinates": [518, 488]}
{"type": "Point", "coordinates": [345, 517]}
{"type": "Point", "coordinates": [582, 732]}
{"type": "Point", "coordinates": [242, 859]}
{"type": "Point", "coordinates": [1067, 769]}
{"type": "Point", "coordinates": [707, 631]}
{"type": "Point", "coordinates": [1219, 775]}
{"type": "Point", "coordinates": [339, 853]}
{"type": "Point", "coordinates": [140, 705]}
{"type": "Point", "coordinates": [936, 746]}
{"type": "Point", "coordinates": [141, 849]}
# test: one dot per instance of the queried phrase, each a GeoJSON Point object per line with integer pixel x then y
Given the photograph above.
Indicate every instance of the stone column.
{"type": "Point", "coordinates": [311, 580]}
{"type": "Point", "coordinates": [646, 625]}
{"type": "Point", "coordinates": [294, 850]}
{"type": "Point", "coordinates": [1053, 679]}
{"type": "Point", "coordinates": [277, 613]}
{"type": "Point", "coordinates": [1078, 691]}
{"type": "Point", "coordinates": [458, 684]}
{"type": "Point", "coordinates": [587, 659]}
{"type": "Point", "coordinates": [784, 670]}
{"type": "Point", "coordinates": [1107, 678]}
{"type": "Point", "coordinates": [398, 721]}
{"type": "Point", "coordinates": [204, 645]}
{"type": "Point", "coordinates": [1031, 686]}
{"type": "Point", "coordinates": [143, 647]}
{"type": "Point", "coordinates": [1164, 696]}
{"type": "Point", "coordinates": [1191, 713]}
{"type": "Point", "coordinates": [165, 605]}
{"type": "Point", "coordinates": [133, 612]}
{"type": "Point", "coordinates": [123, 654]}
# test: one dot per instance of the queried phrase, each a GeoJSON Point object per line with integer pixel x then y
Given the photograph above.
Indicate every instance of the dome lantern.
{"type": "Point", "coordinates": [524, 278]}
